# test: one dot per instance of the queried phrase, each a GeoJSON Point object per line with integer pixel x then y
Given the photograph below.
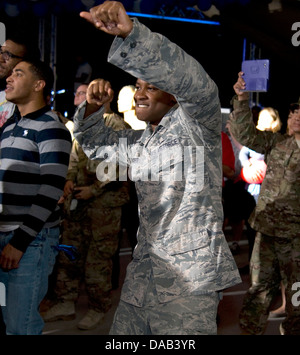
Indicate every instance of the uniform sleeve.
{"type": "Point", "coordinates": [96, 139]}
{"type": "Point", "coordinates": [152, 57]}
{"type": "Point", "coordinates": [73, 164]}
{"type": "Point", "coordinates": [244, 131]}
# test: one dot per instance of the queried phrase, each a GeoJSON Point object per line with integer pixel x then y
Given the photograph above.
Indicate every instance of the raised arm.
{"type": "Point", "coordinates": [241, 124]}
{"type": "Point", "coordinates": [155, 59]}
{"type": "Point", "coordinates": [110, 17]}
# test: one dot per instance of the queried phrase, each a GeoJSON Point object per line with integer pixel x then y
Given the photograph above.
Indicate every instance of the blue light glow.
{"type": "Point", "coordinates": [206, 22]}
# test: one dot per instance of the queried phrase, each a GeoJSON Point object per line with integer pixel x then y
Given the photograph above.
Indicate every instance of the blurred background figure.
{"type": "Point", "coordinates": [253, 163]}
{"type": "Point", "coordinates": [80, 94]}
{"type": "Point", "coordinates": [92, 212]}
{"type": "Point", "coordinates": [84, 71]}
{"type": "Point", "coordinates": [126, 105]}
{"type": "Point", "coordinates": [281, 311]}
{"type": "Point", "coordinates": [269, 120]}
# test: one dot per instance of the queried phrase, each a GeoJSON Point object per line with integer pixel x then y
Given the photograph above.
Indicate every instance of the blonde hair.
{"type": "Point", "coordinates": [269, 120]}
{"type": "Point", "coordinates": [126, 98]}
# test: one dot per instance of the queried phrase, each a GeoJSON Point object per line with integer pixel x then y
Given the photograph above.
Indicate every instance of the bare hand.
{"type": "Point", "coordinates": [61, 200]}
{"type": "Point", "coordinates": [110, 17]}
{"type": "Point", "coordinates": [239, 86]}
{"type": "Point", "coordinates": [69, 187]}
{"type": "Point", "coordinates": [99, 92]}
{"type": "Point", "coordinates": [83, 192]}
{"type": "Point", "coordinates": [10, 257]}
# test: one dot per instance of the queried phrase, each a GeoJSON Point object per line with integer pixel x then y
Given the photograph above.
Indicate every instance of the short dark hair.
{"type": "Point", "coordinates": [43, 72]}
{"type": "Point", "coordinates": [293, 107]}
{"type": "Point", "coordinates": [32, 51]}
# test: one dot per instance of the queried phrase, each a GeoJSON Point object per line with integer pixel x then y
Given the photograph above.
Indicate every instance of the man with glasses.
{"type": "Point", "coordinates": [12, 51]}
{"type": "Point", "coordinates": [80, 94]}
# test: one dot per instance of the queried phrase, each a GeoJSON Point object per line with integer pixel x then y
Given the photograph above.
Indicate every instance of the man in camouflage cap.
{"type": "Point", "coordinates": [276, 252]}
{"type": "Point", "coordinates": [182, 260]}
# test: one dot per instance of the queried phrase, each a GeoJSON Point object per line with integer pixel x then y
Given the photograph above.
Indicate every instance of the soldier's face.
{"type": "Point", "coordinates": [151, 103]}
{"type": "Point", "coordinates": [295, 123]}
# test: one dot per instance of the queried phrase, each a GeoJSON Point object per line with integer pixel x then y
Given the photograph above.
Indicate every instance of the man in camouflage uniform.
{"type": "Point", "coordinates": [182, 259]}
{"type": "Point", "coordinates": [276, 253]}
{"type": "Point", "coordinates": [92, 223]}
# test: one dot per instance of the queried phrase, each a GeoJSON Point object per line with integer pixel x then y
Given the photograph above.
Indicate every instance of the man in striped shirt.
{"type": "Point", "coordinates": [16, 47]}
{"type": "Point", "coordinates": [35, 149]}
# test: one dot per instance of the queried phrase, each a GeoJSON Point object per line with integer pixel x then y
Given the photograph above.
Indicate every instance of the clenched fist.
{"type": "Point", "coordinates": [99, 92]}
{"type": "Point", "coordinates": [110, 17]}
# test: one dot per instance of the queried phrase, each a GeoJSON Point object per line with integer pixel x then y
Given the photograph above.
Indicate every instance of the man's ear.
{"type": "Point", "coordinates": [39, 85]}
{"type": "Point", "coordinates": [173, 101]}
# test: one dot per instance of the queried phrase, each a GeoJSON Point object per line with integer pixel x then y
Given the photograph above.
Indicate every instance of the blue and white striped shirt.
{"type": "Point", "coordinates": [35, 152]}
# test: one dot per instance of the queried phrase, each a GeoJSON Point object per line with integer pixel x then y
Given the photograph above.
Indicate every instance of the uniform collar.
{"type": "Point", "coordinates": [35, 114]}
{"type": "Point", "coordinates": [32, 115]}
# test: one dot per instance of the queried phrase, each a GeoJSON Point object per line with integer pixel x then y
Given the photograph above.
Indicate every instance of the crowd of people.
{"type": "Point", "coordinates": [175, 185]}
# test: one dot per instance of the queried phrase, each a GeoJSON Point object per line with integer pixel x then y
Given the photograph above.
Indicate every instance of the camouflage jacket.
{"type": "Point", "coordinates": [180, 239]}
{"type": "Point", "coordinates": [82, 171]}
{"type": "Point", "coordinates": [278, 208]}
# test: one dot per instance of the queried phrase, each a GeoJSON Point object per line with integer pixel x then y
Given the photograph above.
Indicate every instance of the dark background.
{"type": "Point", "coordinates": [218, 48]}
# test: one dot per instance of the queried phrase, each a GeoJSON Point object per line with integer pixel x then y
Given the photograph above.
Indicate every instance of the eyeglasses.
{"type": "Point", "coordinates": [79, 93]}
{"type": "Point", "coordinates": [7, 55]}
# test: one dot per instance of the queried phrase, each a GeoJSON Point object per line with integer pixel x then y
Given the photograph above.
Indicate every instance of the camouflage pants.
{"type": "Point", "coordinates": [273, 259]}
{"type": "Point", "coordinates": [96, 237]}
{"type": "Point", "coordinates": [190, 315]}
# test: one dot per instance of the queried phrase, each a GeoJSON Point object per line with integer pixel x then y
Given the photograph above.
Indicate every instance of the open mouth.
{"type": "Point", "coordinates": [8, 88]}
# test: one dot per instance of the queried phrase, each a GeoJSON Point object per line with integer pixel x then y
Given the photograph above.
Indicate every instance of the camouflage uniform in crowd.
{"type": "Point", "coordinates": [181, 254]}
{"type": "Point", "coordinates": [276, 218]}
{"type": "Point", "coordinates": [93, 227]}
